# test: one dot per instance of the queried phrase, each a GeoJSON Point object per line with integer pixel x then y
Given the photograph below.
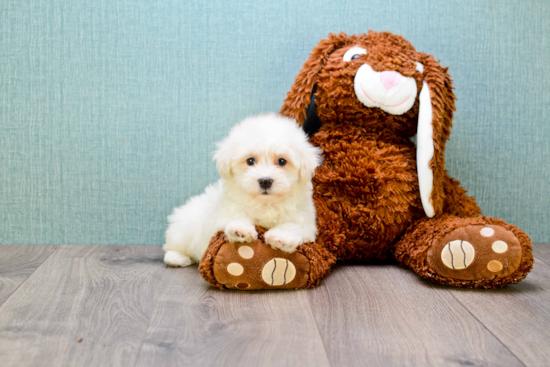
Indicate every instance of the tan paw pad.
{"type": "Point", "coordinates": [246, 252]}
{"type": "Point", "coordinates": [487, 232]}
{"type": "Point", "coordinates": [499, 247]}
{"type": "Point", "coordinates": [458, 254]}
{"type": "Point", "coordinates": [278, 272]}
{"type": "Point", "coordinates": [235, 269]}
{"type": "Point", "coordinates": [494, 266]}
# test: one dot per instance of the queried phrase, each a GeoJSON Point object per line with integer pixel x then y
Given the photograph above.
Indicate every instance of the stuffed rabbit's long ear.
{"type": "Point", "coordinates": [298, 99]}
{"type": "Point", "coordinates": [434, 127]}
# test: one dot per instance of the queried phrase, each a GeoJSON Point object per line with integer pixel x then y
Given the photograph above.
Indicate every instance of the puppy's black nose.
{"type": "Point", "coordinates": [265, 182]}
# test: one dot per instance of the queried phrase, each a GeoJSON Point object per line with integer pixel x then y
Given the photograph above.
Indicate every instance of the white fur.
{"type": "Point", "coordinates": [236, 202]}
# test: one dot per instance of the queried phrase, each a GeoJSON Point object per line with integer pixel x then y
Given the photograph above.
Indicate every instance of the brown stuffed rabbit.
{"type": "Point", "coordinates": [377, 194]}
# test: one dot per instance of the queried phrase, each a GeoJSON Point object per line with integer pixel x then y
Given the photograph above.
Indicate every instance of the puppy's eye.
{"type": "Point", "coordinates": [281, 161]}
{"type": "Point", "coordinates": [354, 53]}
{"type": "Point", "coordinates": [250, 161]}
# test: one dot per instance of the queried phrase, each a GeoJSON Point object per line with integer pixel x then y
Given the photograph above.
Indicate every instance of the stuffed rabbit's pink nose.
{"type": "Point", "coordinates": [390, 79]}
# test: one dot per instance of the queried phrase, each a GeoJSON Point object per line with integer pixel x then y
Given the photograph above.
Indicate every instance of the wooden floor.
{"type": "Point", "coordinates": [120, 306]}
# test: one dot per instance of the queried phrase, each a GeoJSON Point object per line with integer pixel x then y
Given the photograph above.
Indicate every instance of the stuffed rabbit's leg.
{"type": "Point", "coordinates": [255, 265]}
{"type": "Point", "coordinates": [479, 252]}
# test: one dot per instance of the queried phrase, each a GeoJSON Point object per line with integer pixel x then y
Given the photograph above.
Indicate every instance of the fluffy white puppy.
{"type": "Point", "coordinates": [266, 165]}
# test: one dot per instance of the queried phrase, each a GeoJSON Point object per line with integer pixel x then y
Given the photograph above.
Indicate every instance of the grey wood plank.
{"type": "Point", "coordinates": [103, 295]}
{"type": "Point", "coordinates": [383, 315]}
{"type": "Point", "coordinates": [541, 251]}
{"type": "Point", "coordinates": [518, 315]}
{"type": "Point", "coordinates": [196, 325]}
{"type": "Point", "coordinates": [17, 263]}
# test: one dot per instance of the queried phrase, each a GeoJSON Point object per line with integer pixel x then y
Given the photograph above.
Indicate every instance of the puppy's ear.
{"type": "Point", "coordinates": [434, 127]}
{"type": "Point", "coordinates": [297, 101]}
{"type": "Point", "coordinates": [309, 159]}
{"type": "Point", "coordinates": [223, 157]}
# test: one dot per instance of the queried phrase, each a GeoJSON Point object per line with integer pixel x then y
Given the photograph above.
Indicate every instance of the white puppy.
{"type": "Point", "coordinates": [266, 165]}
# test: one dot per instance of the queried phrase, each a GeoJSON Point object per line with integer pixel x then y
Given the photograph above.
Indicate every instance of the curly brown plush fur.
{"type": "Point", "coordinates": [367, 190]}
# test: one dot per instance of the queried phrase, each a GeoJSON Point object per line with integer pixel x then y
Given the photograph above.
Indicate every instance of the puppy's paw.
{"type": "Point", "coordinates": [174, 258]}
{"type": "Point", "coordinates": [283, 240]}
{"type": "Point", "coordinates": [240, 231]}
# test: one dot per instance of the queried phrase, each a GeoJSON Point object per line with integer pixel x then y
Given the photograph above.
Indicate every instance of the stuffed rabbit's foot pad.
{"type": "Point", "coordinates": [476, 252]}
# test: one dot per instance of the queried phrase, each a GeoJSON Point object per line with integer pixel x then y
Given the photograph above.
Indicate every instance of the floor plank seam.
{"type": "Point", "coordinates": [150, 316]}
{"type": "Point", "coordinates": [23, 282]}
{"type": "Point", "coordinates": [317, 327]}
{"type": "Point", "coordinates": [488, 330]}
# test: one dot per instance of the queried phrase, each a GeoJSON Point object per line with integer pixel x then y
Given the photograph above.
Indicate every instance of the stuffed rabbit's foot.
{"type": "Point", "coordinates": [255, 265]}
{"type": "Point", "coordinates": [476, 252]}
{"type": "Point", "coordinates": [479, 252]}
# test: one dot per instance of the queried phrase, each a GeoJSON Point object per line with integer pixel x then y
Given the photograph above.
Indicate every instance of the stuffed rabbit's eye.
{"type": "Point", "coordinates": [354, 53]}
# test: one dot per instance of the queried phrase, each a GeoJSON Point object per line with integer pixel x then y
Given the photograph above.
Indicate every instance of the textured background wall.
{"type": "Point", "coordinates": [109, 109]}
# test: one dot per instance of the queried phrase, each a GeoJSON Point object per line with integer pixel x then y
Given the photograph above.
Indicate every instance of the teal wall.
{"type": "Point", "coordinates": [110, 109]}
